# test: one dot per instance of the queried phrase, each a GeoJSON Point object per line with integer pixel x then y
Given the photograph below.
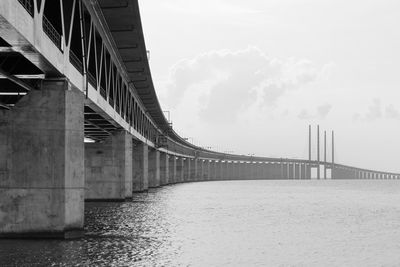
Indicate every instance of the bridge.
{"type": "Point", "coordinates": [75, 70]}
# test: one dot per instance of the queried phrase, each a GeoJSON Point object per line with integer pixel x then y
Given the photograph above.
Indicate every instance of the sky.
{"type": "Point", "coordinates": [248, 77]}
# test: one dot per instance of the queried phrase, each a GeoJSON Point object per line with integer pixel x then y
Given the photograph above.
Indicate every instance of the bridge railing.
{"type": "Point", "coordinates": [75, 61]}
{"type": "Point", "coordinates": [28, 5]}
{"type": "Point", "coordinates": [52, 33]}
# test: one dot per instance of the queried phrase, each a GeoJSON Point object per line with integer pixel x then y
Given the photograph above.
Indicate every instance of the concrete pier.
{"type": "Point", "coordinates": [42, 164]}
{"type": "Point", "coordinates": [154, 168]}
{"type": "Point", "coordinates": [208, 169]}
{"type": "Point", "coordinates": [180, 169]}
{"type": "Point", "coordinates": [164, 169]}
{"type": "Point", "coordinates": [108, 168]}
{"type": "Point", "coordinates": [186, 170]}
{"type": "Point", "coordinates": [172, 169]}
{"type": "Point", "coordinates": [193, 169]}
{"type": "Point", "coordinates": [297, 171]}
{"type": "Point", "coordinates": [140, 167]}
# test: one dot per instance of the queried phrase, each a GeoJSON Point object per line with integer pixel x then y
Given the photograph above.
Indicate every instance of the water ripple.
{"type": "Point", "coordinates": [238, 223]}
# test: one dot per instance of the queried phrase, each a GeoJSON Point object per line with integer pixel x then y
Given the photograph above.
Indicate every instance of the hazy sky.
{"type": "Point", "coordinates": [249, 76]}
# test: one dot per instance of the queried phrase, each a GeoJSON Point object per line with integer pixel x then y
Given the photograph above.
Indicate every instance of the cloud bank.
{"type": "Point", "coordinates": [377, 110]}
{"type": "Point", "coordinates": [227, 83]}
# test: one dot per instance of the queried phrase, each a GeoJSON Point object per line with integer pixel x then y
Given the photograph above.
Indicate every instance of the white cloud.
{"type": "Point", "coordinates": [320, 113]}
{"type": "Point", "coordinates": [392, 113]}
{"type": "Point", "coordinates": [227, 83]}
{"type": "Point", "coordinates": [376, 110]}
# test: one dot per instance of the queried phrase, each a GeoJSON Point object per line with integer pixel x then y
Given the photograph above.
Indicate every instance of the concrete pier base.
{"type": "Point", "coordinates": [140, 167]}
{"type": "Point", "coordinates": [42, 164]}
{"type": "Point", "coordinates": [108, 168]}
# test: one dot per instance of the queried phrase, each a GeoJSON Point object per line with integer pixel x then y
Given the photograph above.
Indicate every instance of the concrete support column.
{"type": "Point", "coordinates": [204, 170]}
{"type": "Point", "coordinates": [303, 171]}
{"type": "Point", "coordinates": [262, 170]}
{"type": "Point", "coordinates": [309, 171]}
{"type": "Point", "coordinates": [242, 172]}
{"type": "Point", "coordinates": [140, 167]}
{"type": "Point", "coordinates": [285, 171]}
{"type": "Point", "coordinates": [267, 170]}
{"type": "Point", "coordinates": [212, 170]}
{"type": "Point", "coordinates": [186, 170]}
{"type": "Point", "coordinates": [250, 169]}
{"type": "Point", "coordinates": [193, 170]}
{"type": "Point", "coordinates": [42, 164]}
{"type": "Point", "coordinates": [270, 168]}
{"type": "Point", "coordinates": [256, 167]}
{"type": "Point", "coordinates": [172, 169]}
{"type": "Point", "coordinates": [237, 170]}
{"type": "Point", "coordinates": [154, 168]}
{"type": "Point", "coordinates": [281, 170]}
{"type": "Point", "coordinates": [232, 171]}
{"type": "Point", "coordinates": [291, 171]}
{"type": "Point", "coordinates": [234, 174]}
{"type": "Point", "coordinates": [108, 168]}
{"type": "Point", "coordinates": [256, 170]}
{"type": "Point", "coordinates": [180, 169]}
{"type": "Point", "coordinates": [261, 166]}
{"type": "Point", "coordinates": [164, 169]}
{"type": "Point", "coordinates": [216, 170]}
{"type": "Point", "coordinates": [223, 170]}
{"type": "Point", "coordinates": [276, 170]}
{"type": "Point", "coordinates": [245, 172]}
{"type": "Point", "coordinates": [227, 170]}
{"type": "Point", "coordinates": [296, 171]}
{"type": "Point", "coordinates": [220, 170]}
{"type": "Point", "coordinates": [208, 168]}
{"type": "Point", "coordinates": [201, 170]}
{"type": "Point", "coordinates": [195, 176]}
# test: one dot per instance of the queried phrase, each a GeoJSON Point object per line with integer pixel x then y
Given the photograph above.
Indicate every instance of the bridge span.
{"type": "Point", "coordinates": [75, 69]}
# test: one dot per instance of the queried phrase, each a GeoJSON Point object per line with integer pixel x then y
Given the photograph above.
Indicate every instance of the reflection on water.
{"type": "Point", "coordinates": [233, 223]}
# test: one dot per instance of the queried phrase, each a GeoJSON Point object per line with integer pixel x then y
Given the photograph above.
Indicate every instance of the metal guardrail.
{"type": "Point", "coordinates": [28, 5]}
{"type": "Point", "coordinates": [103, 92]}
{"type": "Point", "coordinates": [91, 80]}
{"type": "Point", "coordinates": [75, 61]}
{"type": "Point", "coordinates": [52, 33]}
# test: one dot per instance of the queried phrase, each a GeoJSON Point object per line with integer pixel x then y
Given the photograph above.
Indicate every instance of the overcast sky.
{"type": "Point", "coordinates": [249, 76]}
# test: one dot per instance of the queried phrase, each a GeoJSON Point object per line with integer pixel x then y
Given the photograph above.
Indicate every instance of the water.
{"type": "Point", "coordinates": [233, 223]}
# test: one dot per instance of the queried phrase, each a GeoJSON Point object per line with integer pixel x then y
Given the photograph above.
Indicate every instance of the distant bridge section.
{"type": "Point", "coordinates": [75, 69]}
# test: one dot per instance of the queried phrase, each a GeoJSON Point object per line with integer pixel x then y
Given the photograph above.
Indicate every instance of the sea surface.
{"type": "Point", "coordinates": [233, 223]}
